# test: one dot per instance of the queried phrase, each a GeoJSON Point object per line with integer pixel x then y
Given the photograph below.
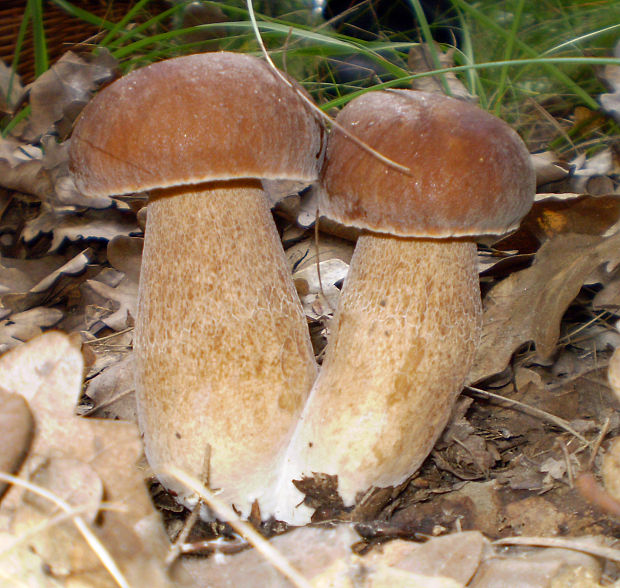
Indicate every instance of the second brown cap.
{"type": "Point", "coordinates": [470, 173]}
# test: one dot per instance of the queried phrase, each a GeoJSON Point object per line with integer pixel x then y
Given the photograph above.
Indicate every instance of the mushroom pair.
{"type": "Point", "coordinates": [409, 317]}
{"type": "Point", "coordinates": [223, 358]}
{"type": "Point", "coordinates": [224, 363]}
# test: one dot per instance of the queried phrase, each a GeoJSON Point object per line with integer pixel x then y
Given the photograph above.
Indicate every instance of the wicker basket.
{"type": "Point", "coordinates": [62, 30]}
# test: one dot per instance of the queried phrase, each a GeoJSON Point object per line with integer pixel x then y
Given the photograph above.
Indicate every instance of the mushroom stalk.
{"type": "Point", "coordinates": [219, 389]}
{"type": "Point", "coordinates": [403, 341]}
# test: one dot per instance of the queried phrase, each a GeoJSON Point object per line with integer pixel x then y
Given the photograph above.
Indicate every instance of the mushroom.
{"type": "Point", "coordinates": [223, 357]}
{"type": "Point", "coordinates": [409, 316]}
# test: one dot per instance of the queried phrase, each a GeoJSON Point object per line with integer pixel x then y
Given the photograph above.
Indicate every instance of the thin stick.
{"type": "Point", "coordinates": [598, 442]}
{"type": "Point", "coordinates": [318, 253]}
{"type": "Point", "coordinates": [100, 551]}
{"type": "Point", "coordinates": [177, 547]}
{"type": "Point", "coordinates": [93, 341]}
{"type": "Point", "coordinates": [536, 412]}
{"type": "Point", "coordinates": [313, 106]}
{"type": "Point", "coordinates": [109, 401]}
{"type": "Point", "coordinates": [225, 512]}
{"type": "Point", "coordinates": [606, 552]}
{"type": "Point", "coordinates": [569, 465]}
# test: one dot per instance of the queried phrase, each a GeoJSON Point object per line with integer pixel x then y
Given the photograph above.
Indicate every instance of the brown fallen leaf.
{"type": "Point", "coordinates": [456, 556]}
{"type": "Point", "coordinates": [60, 544]}
{"type": "Point", "coordinates": [538, 568]}
{"type": "Point", "coordinates": [23, 326]}
{"type": "Point", "coordinates": [9, 81]}
{"type": "Point", "coordinates": [21, 168]}
{"type": "Point", "coordinates": [25, 283]}
{"type": "Point", "coordinates": [91, 224]}
{"type": "Point", "coordinates": [47, 372]}
{"type": "Point", "coordinates": [311, 550]}
{"type": "Point", "coordinates": [528, 305]}
{"type": "Point", "coordinates": [65, 193]}
{"type": "Point", "coordinates": [548, 168]}
{"type": "Point", "coordinates": [585, 215]}
{"type": "Point", "coordinates": [59, 94]}
{"type": "Point", "coordinates": [118, 293]}
{"type": "Point", "coordinates": [16, 430]}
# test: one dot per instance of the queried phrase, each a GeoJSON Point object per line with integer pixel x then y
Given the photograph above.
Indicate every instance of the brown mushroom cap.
{"type": "Point", "coordinates": [169, 124]}
{"type": "Point", "coordinates": [470, 173]}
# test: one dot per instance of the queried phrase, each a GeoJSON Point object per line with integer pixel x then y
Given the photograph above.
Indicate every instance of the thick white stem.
{"type": "Point", "coordinates": [224, 362]}
{"type": "Point", "coordinates": [402, 343]}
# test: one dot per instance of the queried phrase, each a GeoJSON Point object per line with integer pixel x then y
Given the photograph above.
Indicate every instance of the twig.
{"type": "Point", "coordinates": [178, 546]}
{"type": "Point", "coordinates": [569, 465]}
{"type": "Point", "coordinates": [575, 545]}
{"type": "Point", "coordinates": [318, 252]}
{"type": "Point", "coordinates": [109, 401]}
{"type": "Point", "coordinates": [225, 512]}
{"type": "Point", "coordinates": [531, 410]}
{"type": "Point", "coordinates": [313, 106]}
{"type": "Point", "coordinates": [93, 341]}
{"type": "Point", "coordinates": [598, 442]}
{"type": "Point", "coordinates": [100, 551]}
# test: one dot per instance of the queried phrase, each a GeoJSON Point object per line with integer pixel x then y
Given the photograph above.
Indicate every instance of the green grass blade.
{"type": "Point", "coordinates": [508, 53]}
{"type": "Point", "coordinates": [41, 60]}
{"type": "Point", "coordinates": [84, 15]}
{"type": "Point", "coordinates": [19, 43]}
{"type": "Point", "coordinates": [577, 40]}
{"type": "Point", "coordinates": [548, 66]}
{"type": "Point", "coordinates": [120, 25]}
{"type": "Point", "coordinates": [591, 61]}
{"type": "Point", "coordinates": [23, 114]}
{"type": "Point", "coordinates": [430, 42]}
{"type": "Point", "coordinates": [335, 44]}
{"type": "Point", "coordinates": [138, 30]}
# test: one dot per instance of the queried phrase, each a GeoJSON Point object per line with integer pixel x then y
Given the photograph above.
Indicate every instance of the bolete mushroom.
{"type": "Point", "coordinates": [409, 317]}
{"type": "Point", "coordinates": [223, 356]}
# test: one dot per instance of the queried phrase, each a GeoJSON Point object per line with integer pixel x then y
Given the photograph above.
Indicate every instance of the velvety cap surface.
{"type": "Point", "coordinates": [470, 173]}
{"type": "Point", "coordinates": [204, 117]}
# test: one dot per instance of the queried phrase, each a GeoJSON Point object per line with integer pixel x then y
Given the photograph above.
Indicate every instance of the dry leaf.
{"type": "Point", "coordinates": [528, 305]}
{"type": "Point", "coordinates": [548, 168]}
{"type": "Point", "coordinates": [311, 550]}
{"type": "Point", "coordinates": [319, 297]}
{"type": "Point", "coordinates": [537, 568]}
{"type": "Point", "coordinates": [455, 556]}
{"type": "Point", "coordinates": [16, 430]}
{"type": "Point", "coordinates": [19, 566]}
{"type": "Point", "coordinates": [65, 193]}
{"type": "Point", "coordinates": [59, 94]}
{"type": "Point", "coordinates": [9, 81]}
{"type": "Point", "coordinates": [21, 169]}
{"type": "Point", "coordinates": [26, 325]}
{"type": "Point", "coordinates": [112, 392]}
{"type": "Point", "coordinates": [47, 371]}
{"type": "Point", "coordinates": [25, 283]}
{"type": "Point", "coordinates": [556, 214]}
{"type": "Point", "coordinates": [60, 545]}
{"type": "Point", "coordinates": [116, 294]}
{"type": "Point", "coordinates": [92, 224]}
{"type": "Point", "coordinates": [587, 169]}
